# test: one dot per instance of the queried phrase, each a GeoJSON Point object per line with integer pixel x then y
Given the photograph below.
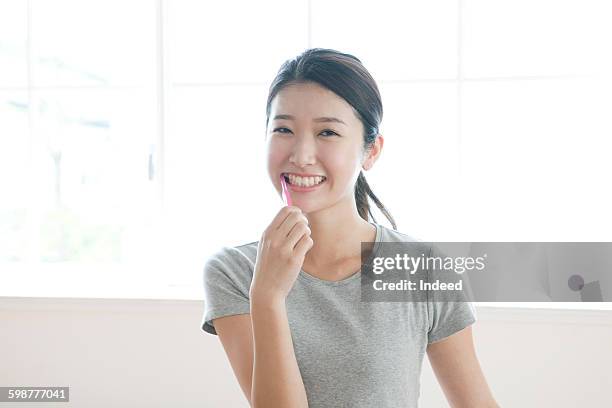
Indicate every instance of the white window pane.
{"type": "Point", "coordinates": [217, 186]}
{"type": "Point", "coordinates": [536, 37]}
{"type": "Point", "coordinates": [13, 175]}
{"type": "Point", "coordinates": [414, 175]}
{"type": "Point", "coordinates": [93, 43]}
{"type": "Point", "coordinates": [536, 160]}
{"type": "Point", "coordinates": [233, 41]}
{"type": "Point", "coordinates": [395, 40]}
{"type": "Point", "coordinates": [91, 172]}
{"type": "Point", "coordinates": [13, 33]}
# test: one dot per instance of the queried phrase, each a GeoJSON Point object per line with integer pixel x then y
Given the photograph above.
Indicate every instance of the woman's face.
{"type": "Point", "coordinates": [313, 131]}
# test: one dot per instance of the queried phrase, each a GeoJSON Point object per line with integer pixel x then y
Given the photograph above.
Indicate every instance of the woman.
{"type": "Point", "coordinates": [287, 308]}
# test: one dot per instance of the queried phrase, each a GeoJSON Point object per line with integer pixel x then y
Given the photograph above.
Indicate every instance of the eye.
{"type": "Point", "coordinates": [327, 130]}
{"type": "Point", "coordinates": [277, 129]}
{"type": "Point", "coordinates": [284, 128]}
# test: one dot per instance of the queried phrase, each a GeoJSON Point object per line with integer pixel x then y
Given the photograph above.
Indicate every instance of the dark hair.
{"type": "Point", "coordinates": [346, 76]}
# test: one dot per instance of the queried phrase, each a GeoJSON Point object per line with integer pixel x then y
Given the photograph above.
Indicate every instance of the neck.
{"type": "Point", "coordinates": [337, 233]}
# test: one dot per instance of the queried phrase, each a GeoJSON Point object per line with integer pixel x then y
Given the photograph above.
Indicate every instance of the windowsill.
{"type": "Point", "coordinates": [169, 304]}
{"type": "Point", "coordinates": [94, 281]}
{"type": "Point", "coordinates": [142, 282]}
{"type": "Point", "coordinates": [548, 305]}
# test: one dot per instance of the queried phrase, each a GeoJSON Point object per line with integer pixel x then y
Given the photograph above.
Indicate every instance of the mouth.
{"type": "Point", "coordinates": [296, 183]}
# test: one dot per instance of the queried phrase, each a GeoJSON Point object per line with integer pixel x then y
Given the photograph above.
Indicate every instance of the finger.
{"type": "Point", "coordinates": [288, 224]}
{"type": "Point", "coordinates": [303, 246]}
{"type": "Point", "coordinates": [281, 216]}
{"type": "Point", "coordinates": [300, 229]}
{"type": "Point", "coordinates": [290, 221]}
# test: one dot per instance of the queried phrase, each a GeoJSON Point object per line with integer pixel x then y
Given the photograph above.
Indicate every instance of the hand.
{"type": "Point", "coordinates": [280, 254]}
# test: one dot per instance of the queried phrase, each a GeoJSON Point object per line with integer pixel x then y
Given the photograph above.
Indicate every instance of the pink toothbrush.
{"type": "Point", "coordinates": [286, 195]}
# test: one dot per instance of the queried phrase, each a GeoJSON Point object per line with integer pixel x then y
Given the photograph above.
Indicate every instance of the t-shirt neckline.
{"type": "Point", "coordinates": [313, 279]}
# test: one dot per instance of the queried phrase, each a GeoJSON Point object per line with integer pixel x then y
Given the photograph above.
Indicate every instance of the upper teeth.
{"type": "Point", "coordinates": [305, 181]}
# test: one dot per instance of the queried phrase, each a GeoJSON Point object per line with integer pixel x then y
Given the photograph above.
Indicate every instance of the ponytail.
{"type": "Point", "coordinates": [362, 192]}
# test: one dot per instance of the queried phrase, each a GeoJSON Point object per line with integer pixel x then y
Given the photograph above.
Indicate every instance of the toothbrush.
{"type": "Point", "coordinates": [285, 191]}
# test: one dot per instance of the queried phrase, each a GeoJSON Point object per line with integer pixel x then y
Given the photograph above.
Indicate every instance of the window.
{"type": "Point", "coordinates": [119, 131]}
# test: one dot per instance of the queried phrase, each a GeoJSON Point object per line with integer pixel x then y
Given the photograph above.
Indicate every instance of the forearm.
{"type": "Point", "coordinates": [277, 381]}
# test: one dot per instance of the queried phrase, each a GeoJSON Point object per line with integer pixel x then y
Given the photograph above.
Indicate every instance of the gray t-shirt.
{"type": "Point", "coordinates": [350, 353]}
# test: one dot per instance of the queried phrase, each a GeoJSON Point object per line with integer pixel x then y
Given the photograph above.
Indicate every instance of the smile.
{"type": "Point", "coordinates": [297, 183]}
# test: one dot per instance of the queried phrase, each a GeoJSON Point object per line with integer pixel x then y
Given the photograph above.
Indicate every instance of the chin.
{"type": "Point", "coordinates": [311, 208]}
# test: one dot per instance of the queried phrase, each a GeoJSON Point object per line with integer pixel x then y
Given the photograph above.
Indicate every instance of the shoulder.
{"type": "Point", "coordinates": [413, 243]}
{"type": "Point", "coordinates": [232, 260]}
{"type": "Point", "coordinates": [391, 235]}
{"type": "Point", "coordinates": [397, 236]}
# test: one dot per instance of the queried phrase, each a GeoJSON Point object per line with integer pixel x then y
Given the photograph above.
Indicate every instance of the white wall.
{"type": "Point", "coordinates": [152, 353]}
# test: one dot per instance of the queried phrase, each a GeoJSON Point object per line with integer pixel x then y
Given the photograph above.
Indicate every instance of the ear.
{"type": "Point", "coordinates": [373, 153]}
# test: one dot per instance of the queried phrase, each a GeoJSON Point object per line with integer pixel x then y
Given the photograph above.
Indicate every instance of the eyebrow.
{"type": "Point", "coordinates": [321, 119]}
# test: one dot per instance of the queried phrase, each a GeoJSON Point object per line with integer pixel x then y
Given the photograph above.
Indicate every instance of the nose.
{"type": "Point", "coordinates": [304, 152]}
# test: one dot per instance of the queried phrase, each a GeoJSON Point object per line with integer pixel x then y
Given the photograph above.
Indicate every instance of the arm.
{"type": "Point", "coordinates": [456, 367]}
{"type": "Point", "coordinates": [260, 349]}
{"type": "Point", "coordinates": [277, 381]}
{"type": "Point", "coordinates": [236, 335]}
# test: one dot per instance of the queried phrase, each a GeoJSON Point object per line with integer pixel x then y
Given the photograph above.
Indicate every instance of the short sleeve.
{"type": "Point", "coordinates": [449, 313]}
{"type": "Point", "coordinates": [227, 279]}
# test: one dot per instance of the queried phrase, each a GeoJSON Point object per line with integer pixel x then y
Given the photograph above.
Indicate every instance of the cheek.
{"type": "Point", "coordinates": [275, 154]}
{"type": "Point", "coordinates": [340, 163]}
